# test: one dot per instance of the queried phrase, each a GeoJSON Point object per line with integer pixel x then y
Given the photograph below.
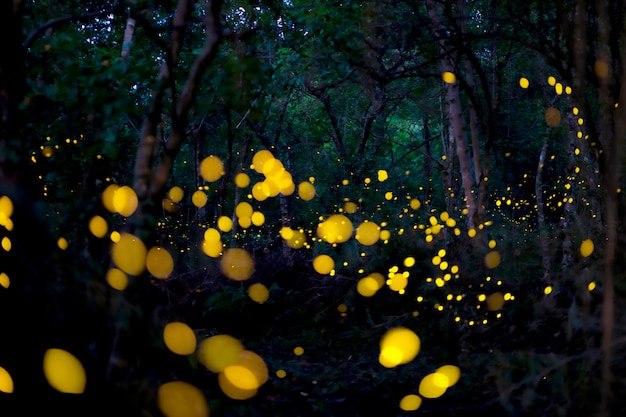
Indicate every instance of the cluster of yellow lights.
{"type": "Point", "coordinates": [6, 211]}
{"type": "Point", "coordinates": [49, 148]}
{"type": "Point", "coordinates": [242, 372]}
{"type": "Point", "coordinates": [277, 180]}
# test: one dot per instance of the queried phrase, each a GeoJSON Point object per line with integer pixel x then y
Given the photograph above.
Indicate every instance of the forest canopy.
{"type": "Point", "coordinates": [290, 208]}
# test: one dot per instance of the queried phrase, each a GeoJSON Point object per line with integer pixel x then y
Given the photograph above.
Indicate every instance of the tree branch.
{"type": "Point", "coordinates": [66, 19]}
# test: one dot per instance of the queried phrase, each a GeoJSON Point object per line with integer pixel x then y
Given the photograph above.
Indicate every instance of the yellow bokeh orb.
{"type": "Point", "coordinates": [5, 282]}
{"type": "Point", "coordinates": [129, 254]}
{"type": "Point", "coordinates": [286, 232]}
{"type": "Point", "coordinates": [212, 235]}
{"type": "Point", "coordinates": [115, 236]}
{"type": "Point", "coordinates": [248, 372]}
{"type": "Point", "coordinates": [586, 247]}
{"type": "Point", "coordinates": [410, 402]}
{"type": "Point", "coordinates": [367, 233]}
{"type": "Point", "coordinates": [296, 239]}
{"type": "Point", "coordinates": [117, 279]}
{"type": "Point", "coordinates": [107, 197]}
{"type": "Point", "coordinates": [212, 249]}
{"type": "Point", "coordinates": [433, 385]}
{"type": "Point", "coordinates": [385, 234]}
{"type": "Point", "coordinates": [159, 262]}
{"type": "Point", "coordinates": [448, 77]}
{"type": "Point", "coordinates": [232, 391]}
{"type": "Point", "coordinates": [452, 372]}
{"type": "Point", "coordinates": [179, 338]}
{"type": "Point", "coordinates": [398, 346]}
{"type": "Point", "coordinates": [242, 180]}
{"type": "Point", "coordinates": [6, 206]}
{"type": "Point", "coordinates": [181, 399]}
{"type": "Point", "coordinates": [415, 204]}
{"type": "Point", "coordinates": [323, 264]}
{"type": "Point", "coordinates": [176, 194]}
{"type": "Point", "coordinates": [64, 372]}
{"type": "Point", "coordinates": [367, 286]}
{"type": "Point", "coordinates": [244, 209]}
{"type": "Point", "coordinates": [350, 207]}
{"type": "Point", "coordinates": [125, 201]}
{"type": "Point", "coordinates": [272, 167]}
{"type": "Point", "coordinates": [492, 259]}
{"type": "Point", "coordinates": [336, 229]}
{"type": "Point", "coordinates": [552, 117]}
{"type": "Point", "coordinates": [601, 68]}
{"type": "Point", "coordinates": [258, 292]}
{"type": "Point", "coordinates": [199, 198]}
{"type": "Point", "coordinates": [6, 244]}
{"type": "Point", "coordinates": [225, 224]}
{"type": "Point", "coordinates": [219, 351]}
{"type": "Point", "coordinates": [259, 159]}
{"type": "Point", "coordinates": [261, 191]}
{"type": "Point", "coordinates": [168, 205]}
{"type": "Point", "coordinates": [306, 191]}
{"type": "Point", "coordinates": [495, 301]}
{"type": "Point", "coordinates": [298, 351]}
{"type": "Point", "coordinates": [523, 82]}
{"type": "Point", "coordinates": [382, 175]}
{"type": "Point", "coordinates": [211, 168]}
{"type": "Point", "coordinates": [237, 264]}
{"type": "Point", "coordinates": [398, 282]}
{"type": "Point", "coordinates": [98, 226]}
{"type": "Point", "coordinates": [62, 243]}
{"type": "Point", "coordinates": [257, 218]}
{"type": "Point", "coordinates": [244, 222]}
{"type": "Point", "coordinates": [6, 382]}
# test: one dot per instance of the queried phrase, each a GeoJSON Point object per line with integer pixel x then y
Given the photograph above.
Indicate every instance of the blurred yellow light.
{"type": "Point", "coordinates": [64, 372]}
{"type": "Point", "coordinates": [159, 262]}
{"type": "Point", "coordinates": [6, 382]}
{"type": "Point", "coordinates": [237, 264]}
{"type": "Point", "coordinates": [398, 346]}
{"type": "Point", "coordinates": [410, 402]}
{"type": "Point", "coordinates": [129, 254]}
{"type": "Point", "coordinates": [179, 338]}
{"type": "Point", "coordinates": [258, 292]}
{"type": "Point", "coordinates": [219, 351]}
{"type": "Point", "coordinates": [211, 168]}
{"type": "Point", "coordinates": [323, 264]}
{"type": "Point", "coordinates": [448, 77]}
{"type": "Point", "coordinates": [181, 399]}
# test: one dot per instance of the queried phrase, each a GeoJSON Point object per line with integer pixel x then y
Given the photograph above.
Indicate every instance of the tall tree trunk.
{"type": "Point", "coordinates": [455, 113]}
{"type": "Point", "coordinates": [611, 136]}
{"type": "Point", "coordinates": [481, 170]}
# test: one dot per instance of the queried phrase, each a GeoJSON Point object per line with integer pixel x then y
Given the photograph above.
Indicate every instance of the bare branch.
{"type": "Point", "coordinates": [66, 19]}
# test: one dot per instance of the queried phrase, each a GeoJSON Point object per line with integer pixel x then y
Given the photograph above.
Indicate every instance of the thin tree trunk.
{"type": "Point", "coordinates": [128, 37]}
{"type": "Point", "coordinates": [541, 217]}
{"type": "Point", "coordinates": [428, 163]}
